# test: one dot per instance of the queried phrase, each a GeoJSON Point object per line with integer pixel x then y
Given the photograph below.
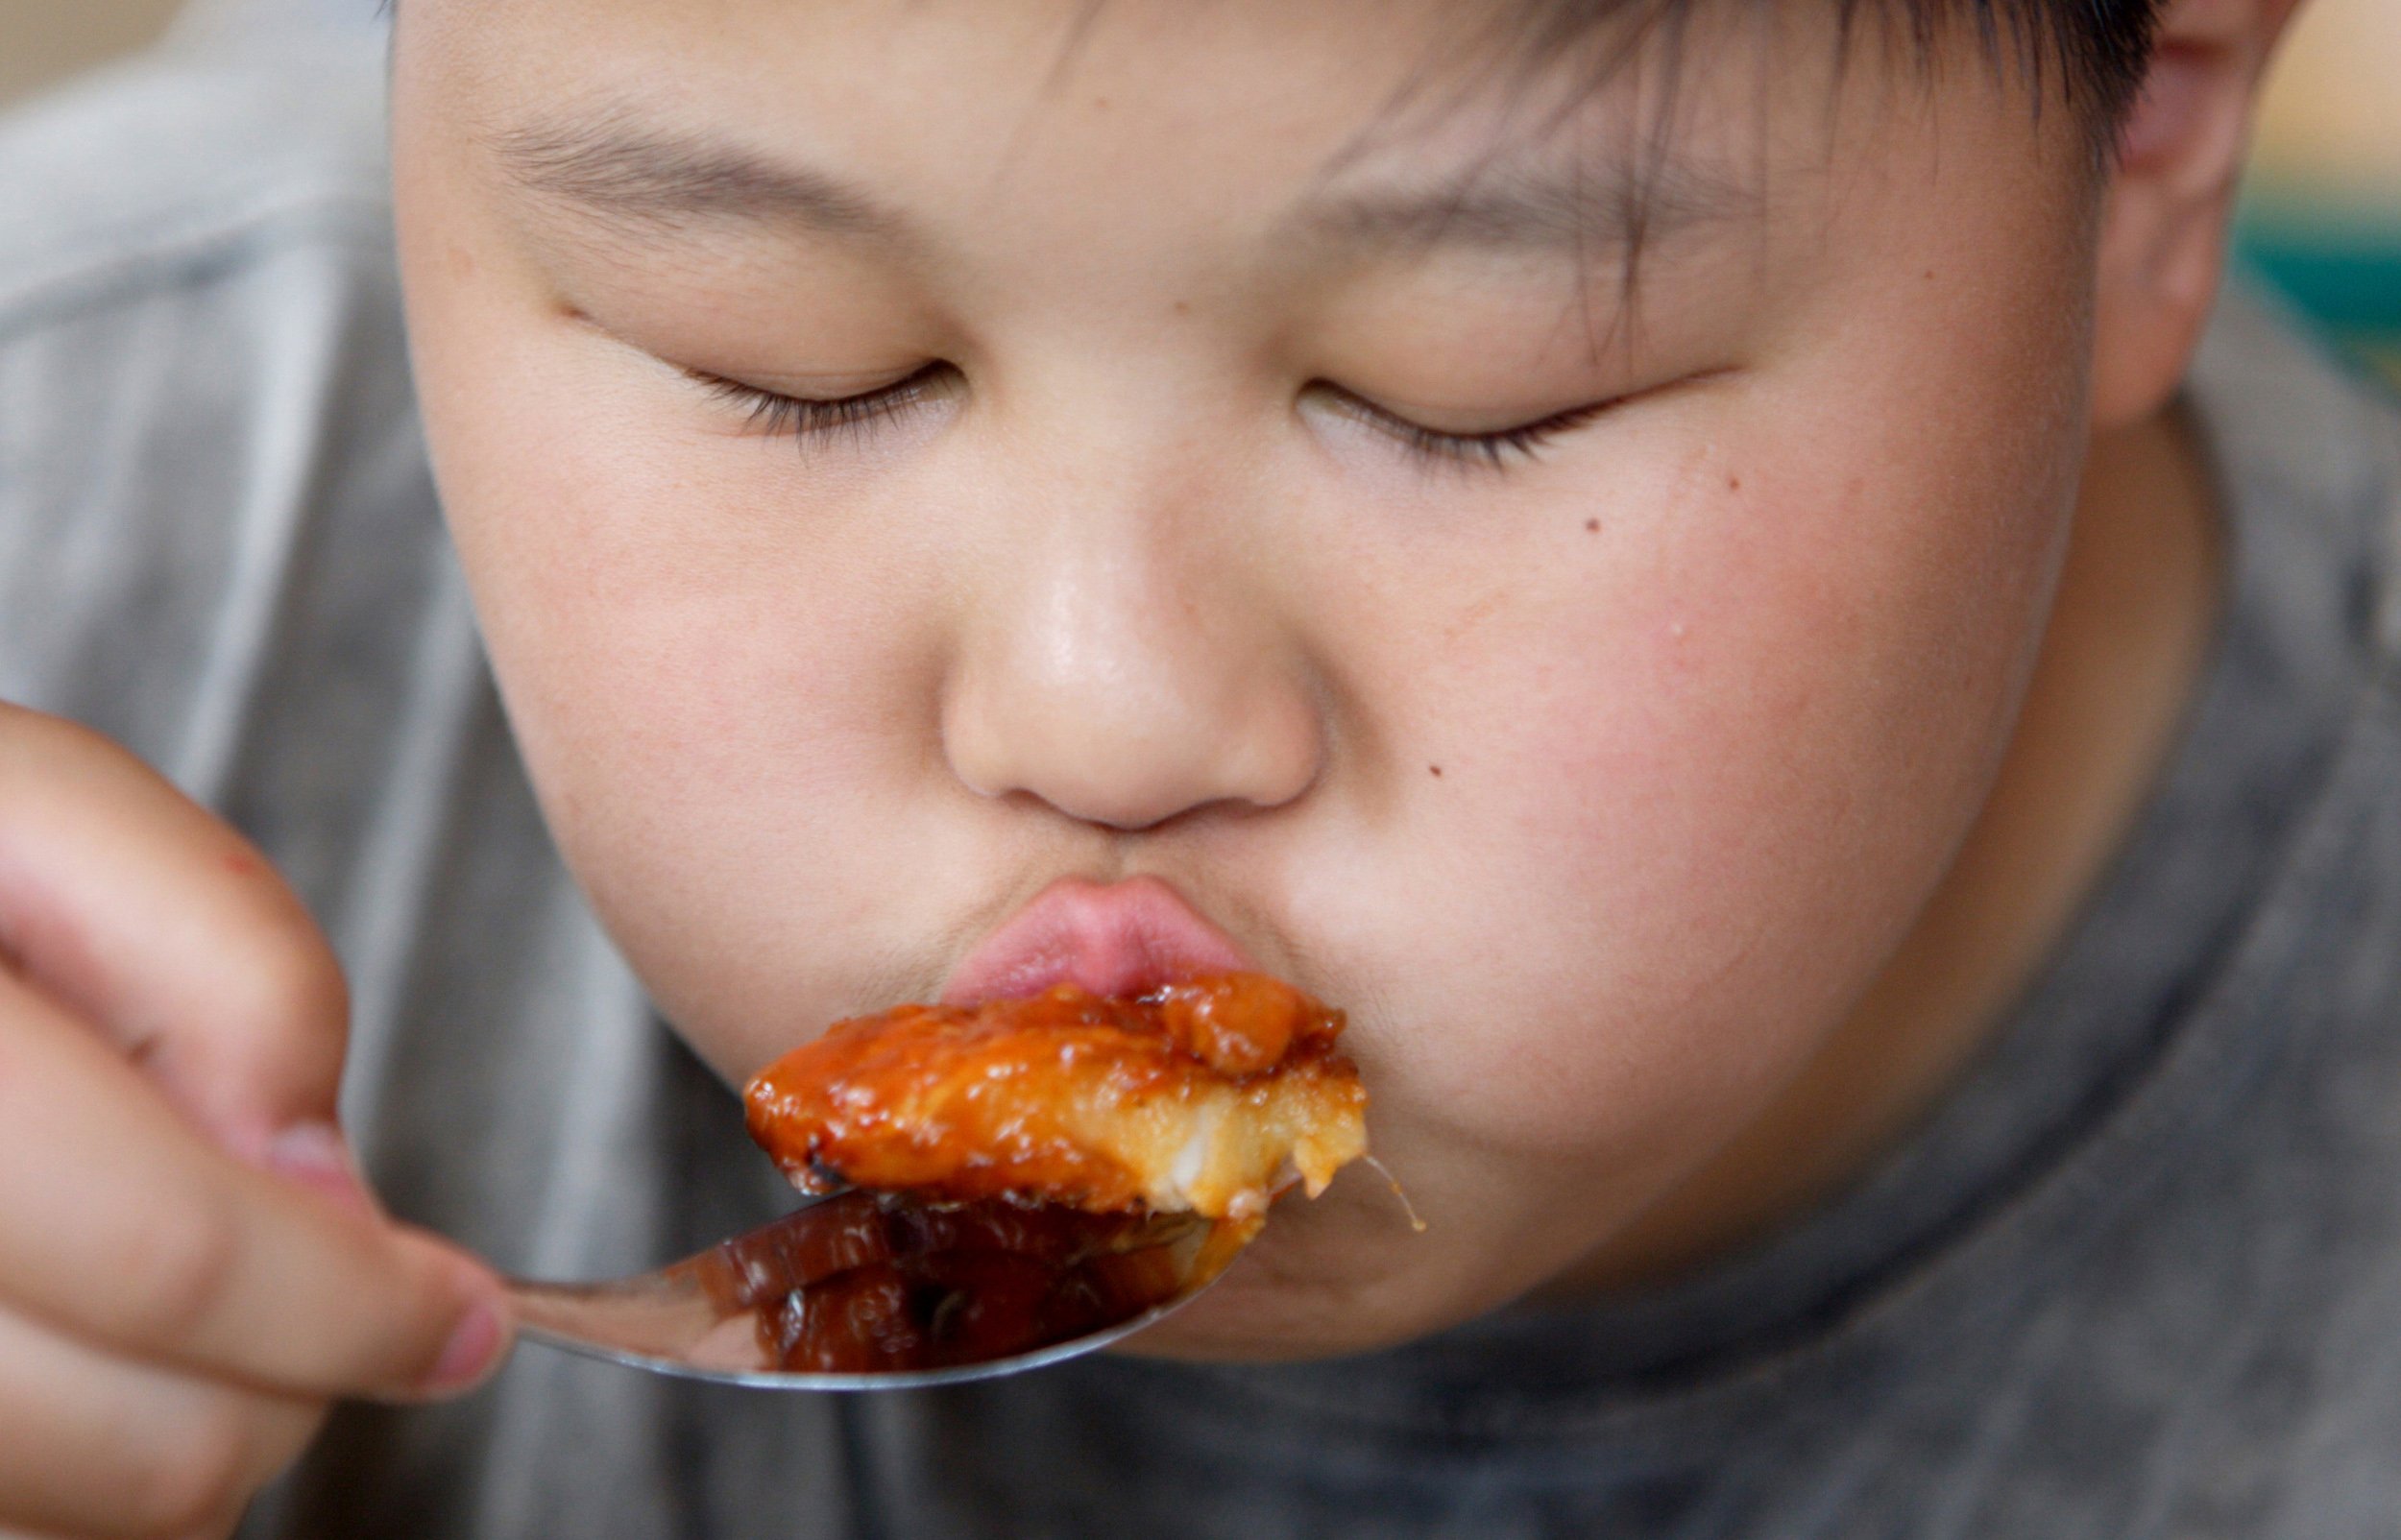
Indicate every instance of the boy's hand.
{"type": "Point", "coordinates": [189, 1270]}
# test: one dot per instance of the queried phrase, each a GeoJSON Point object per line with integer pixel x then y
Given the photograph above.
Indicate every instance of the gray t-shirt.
{"type": "Point", "coordinates": [2141, 1276]}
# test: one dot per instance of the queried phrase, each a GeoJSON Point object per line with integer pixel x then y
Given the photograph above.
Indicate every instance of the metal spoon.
{"type": "Point", "coordinates": [701, 1318]}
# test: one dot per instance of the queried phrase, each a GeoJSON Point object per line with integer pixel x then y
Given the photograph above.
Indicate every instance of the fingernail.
{"type": "Point", "coordinates": [470, 1354]}
{"type": "Point", "coordinates": [318, 1156]}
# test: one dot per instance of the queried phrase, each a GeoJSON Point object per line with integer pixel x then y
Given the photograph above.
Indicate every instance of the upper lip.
{"type": "Point", "coordinates": [1122, 938]}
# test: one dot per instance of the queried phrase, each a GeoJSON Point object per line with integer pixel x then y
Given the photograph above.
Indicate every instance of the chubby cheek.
{"type": "Point", "coordinates": [725, 761]}
{"type": "Point", "coordinates": [706, 755]}
{"type": "Point", "coordinates": [1682, 766]}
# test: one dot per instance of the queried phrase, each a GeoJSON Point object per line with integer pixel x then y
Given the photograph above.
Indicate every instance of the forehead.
{"type": "Point", "coordinates": [686, 102]}
{"type": "Point", "coordinates": [1387, 70]}
{"type": "Point", "coordinates": [933, 125]}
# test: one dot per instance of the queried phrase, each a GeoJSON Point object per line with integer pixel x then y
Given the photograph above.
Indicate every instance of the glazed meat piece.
{"type": "Point", "coordinates": [1204, 1096]}
{"type": "Point", "coordinates": [1026, 1172]}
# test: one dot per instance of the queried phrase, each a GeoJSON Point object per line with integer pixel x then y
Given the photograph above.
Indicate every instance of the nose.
{"type": "Point", "coordinates": [1125, 677]}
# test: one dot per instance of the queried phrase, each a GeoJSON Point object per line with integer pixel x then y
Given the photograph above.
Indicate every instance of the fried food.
{"type": "Point", "coordinates": [1204, 1096]}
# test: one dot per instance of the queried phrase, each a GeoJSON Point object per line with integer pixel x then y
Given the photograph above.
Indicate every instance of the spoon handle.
{"type": "Point", "coordinates": [657, 1315]}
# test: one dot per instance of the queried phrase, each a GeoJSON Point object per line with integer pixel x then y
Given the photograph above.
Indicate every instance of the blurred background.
{"type": "Point", "coordinates": [2322, 220]}
{"type": "Point", "coordinates": [42, 41]}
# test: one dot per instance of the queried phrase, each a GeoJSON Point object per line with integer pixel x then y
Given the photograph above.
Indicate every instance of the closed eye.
{"type": "Point", "coordinates": [819, 419]}
{"type": "Point", "coordinates": [1496, 448]}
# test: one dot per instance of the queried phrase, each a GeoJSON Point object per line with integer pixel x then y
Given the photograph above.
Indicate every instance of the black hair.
{"type": "Point", "coordinates": [2087, 55]}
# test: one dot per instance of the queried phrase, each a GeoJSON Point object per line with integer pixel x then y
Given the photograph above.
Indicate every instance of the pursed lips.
{"type": "Point", "coordinates": [1121, 938]}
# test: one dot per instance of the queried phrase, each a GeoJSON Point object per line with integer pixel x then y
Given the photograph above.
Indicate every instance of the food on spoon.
{"type": "Point", "coordinates": [1023, 1172]}
{"type": "Point", "coordinates": [870, 1282]}
{"type": "Point", "coordinates": [1204, 1096]}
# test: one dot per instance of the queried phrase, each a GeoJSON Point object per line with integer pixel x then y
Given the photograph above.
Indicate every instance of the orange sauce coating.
{"type": "Point", "coordinates": [996, 1100]}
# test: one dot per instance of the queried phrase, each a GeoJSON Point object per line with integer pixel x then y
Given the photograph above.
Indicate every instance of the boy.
{"type": "Point", "coordinates": [1660, 554]}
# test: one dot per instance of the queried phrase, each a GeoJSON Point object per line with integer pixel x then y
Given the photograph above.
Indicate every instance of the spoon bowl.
{"type": "Point", "coordinates": [861, 1292]}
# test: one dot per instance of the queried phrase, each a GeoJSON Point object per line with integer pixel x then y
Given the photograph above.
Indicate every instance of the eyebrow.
{"type": "Point", "coordinates": [655, 181]}
{"type": "Point", "coordinates": [1587, 211]}
{"type": "Point", "coordinates": [660, 181]}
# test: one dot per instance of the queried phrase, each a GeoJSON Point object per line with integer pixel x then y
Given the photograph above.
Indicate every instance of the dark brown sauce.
{"type": "Point", "coordinates": [875, 1283]}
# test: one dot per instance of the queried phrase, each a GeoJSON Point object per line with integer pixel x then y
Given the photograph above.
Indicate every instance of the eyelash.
{"type": "Point", "coordinates": [774, 415]}
{"type": "Point", "coordinates": [1495, 450]}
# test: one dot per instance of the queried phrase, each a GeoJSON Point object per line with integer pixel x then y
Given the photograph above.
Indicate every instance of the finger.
{"type": "Point", "coordinates": [162, 928]}
{"type": "Point", "coordinates": [214, 1531]}
{"type": "Point", "coordinates": [95, 1446]}
{"type": "Point", "coordinates": [121, 1224]}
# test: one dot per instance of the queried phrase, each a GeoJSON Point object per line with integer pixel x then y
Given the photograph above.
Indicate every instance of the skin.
{"type": "Point", "coordinates": [190, 1273]}
{"type": "Point", "coordinates": [1602, 785]}
{"type": "Point", "coordinates": [1675, 809]}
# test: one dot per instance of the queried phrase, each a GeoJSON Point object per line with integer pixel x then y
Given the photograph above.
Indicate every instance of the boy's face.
{"type": "Point", "coordinates": [1595, 771]}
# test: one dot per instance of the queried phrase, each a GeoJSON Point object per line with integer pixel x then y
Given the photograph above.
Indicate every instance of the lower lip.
{"type": "Point", "coordinates": [1119, 940]}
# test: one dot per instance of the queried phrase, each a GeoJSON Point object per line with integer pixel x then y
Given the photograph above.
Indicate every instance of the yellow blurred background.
{"type": "Point", "coordinates": [2322, 220]}
{"type": "Point", "coordinates": [42, 41]}
{"type": "Point", "coordinates": [2333, 119]}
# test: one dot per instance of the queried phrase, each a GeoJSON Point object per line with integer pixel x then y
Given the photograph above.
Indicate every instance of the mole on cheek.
{"type": "Point", "coordinates": [1592, 526]}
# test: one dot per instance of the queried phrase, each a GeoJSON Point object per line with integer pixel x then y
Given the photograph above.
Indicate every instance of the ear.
{"type": "Point", "coordinates": [2163, 241]}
